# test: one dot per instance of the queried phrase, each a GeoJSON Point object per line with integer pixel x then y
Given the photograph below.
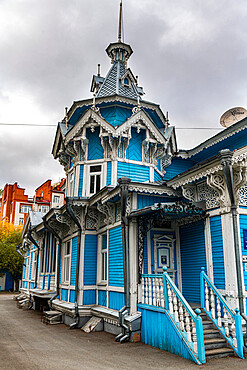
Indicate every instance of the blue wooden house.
{"type": "Point", "coordinates": [151, 242]}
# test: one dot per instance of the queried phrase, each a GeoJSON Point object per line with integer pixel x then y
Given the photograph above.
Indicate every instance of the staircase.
{"type": "Point", "coordinates": [215, 345]}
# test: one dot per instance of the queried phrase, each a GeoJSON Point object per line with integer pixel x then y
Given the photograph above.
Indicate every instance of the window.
{"type": "Point", "coordinates": [25, 208]}
{"type": "Point", "coordinates": [27, 268]}
{"type": "Point", "coordinates": [66, 263]}
{"type": "Point", "coordinates": [21, 220]}
{"type": "Point", "coordinates": [71, 184]}
{"type": "Point", "coordinates": [95, 179]}
{"type": "Point", "coordinates": [104, 258]}
{"type": "Point", "coordinates": [35, 255]}
{"type": "Point", "coordinates": [43, 209]}
{"type": "Point", "coordinates": [56, 199]}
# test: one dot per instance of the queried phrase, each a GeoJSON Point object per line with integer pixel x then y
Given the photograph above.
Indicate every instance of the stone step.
{"type": "Point", "coordinates": [211, 333]}
{"type": "Point", "coordinates": [219, 352]}
{"type": "Point", "coordinates": [212, 343]}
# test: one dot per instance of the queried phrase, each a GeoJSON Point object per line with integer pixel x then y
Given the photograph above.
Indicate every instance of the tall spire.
{"type": "Point", "coordinates": [120, 23]}
{"type": "Point", "coordinates": [119, 51]}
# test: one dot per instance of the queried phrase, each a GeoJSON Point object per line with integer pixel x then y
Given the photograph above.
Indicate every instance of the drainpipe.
{"type": "Point", "coordinates": [124, 188]}
{"type": "Point", "coordinates": [29, 235]}
{"type": "Point", "coordinates": [69, 208]}
{"type": "Point", "coordinates": [226, 162]}
{"type": "Point", "coordinates": [49, 228]}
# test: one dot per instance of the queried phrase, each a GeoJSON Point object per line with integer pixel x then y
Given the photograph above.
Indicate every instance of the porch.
{"type": "Point", "coordinates": [170, 323]}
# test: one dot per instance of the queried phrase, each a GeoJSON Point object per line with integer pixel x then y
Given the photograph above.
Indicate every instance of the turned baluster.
{"type": "Point", "coordinates": [158, 291]}
{"type": "Point", "coordinates": [146, 289]}
{"type": "Point", "coordinates": [143, 290]}
{"type": "Point", "coordinates": [226, 326]}
{"type": "Point", "coordinates": [212, 303]}
{"type": "Point", "coordinates": [170, 298]}
{"type": "Point", "coordinates": [154, 292]}
{"type": "Point", "coordinates": [181, 316]}
{"type": "Point", "coordinates": [194, 336]}
{"type": "Point", "coordinates": [162, 299]}
{"type": "Point", "coordinates": [234, 339]}
{"type": "Point", "coordinates": [175, 306]}
{"type": "Point", "coordinates": [187, 326]}
{"type": "Point", "coordinates": [150, 291]}
{"type": "Point", "coordinates": [219, 312]}
{"type": "Point", "coordinates": [206, 297]}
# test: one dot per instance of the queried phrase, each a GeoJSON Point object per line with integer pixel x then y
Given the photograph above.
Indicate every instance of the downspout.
{"type": "Point", "coordinates": [69, 208]}
{"type": "Point", "coordinates": [124, 188]}
{"type": "Point", "coordinates": [29, 235]}
{"type": "Point", "coordinates": [48, 227]}
{"type": "Point", "coordinates": [226, 162]}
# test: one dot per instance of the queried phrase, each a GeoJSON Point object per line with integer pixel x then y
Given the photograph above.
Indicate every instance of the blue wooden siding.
{"type": "Point", "coordinates": [89, 297]}
{"type": "Point", "coordinates": [157, 176]}
{"type": "Point", "coordinates": [134, 150]}
{"type": "Point", "coordinates": [116, 277]}
{"type": "Point", "coordinates": [233, 142]}
{"type": "Point", "coordinates": [95, 149]}
{"type": "Point", "coordinates": [65, 295]}
{"type": "Point", "coordinates": [9, 281]}
{"type": "Point", "coordinates": [72, 296]}
{"type": "Point", "coordinates": [90, 259]}
{"type": "Point", "coordinates": [108, 175]}
{"type": "Point", "coordinates": [135, 172]}
{"type": "Point", "coordinates": [217, 252]}
{"type": "Point", "coordinates": [193, 257]}
{"type": "Point", "coordinates": [158, 330]}
{"type": "Point", "coordinates": [102, 298]}
{"type": "Point", "coordinates": [243, 225]}
{"type": "Point", "coordinates": [145, 200]}
{"type": "Point", "coordinates": [177, 166]}
{"type": "Point", "coordinates": [116, 300]}
{"type": "Point", "coordinates": [74, 245]}
{"type": "Point", "coordinates": [115, 115]}
{"type": "Point", "coordinates": [81, 180]}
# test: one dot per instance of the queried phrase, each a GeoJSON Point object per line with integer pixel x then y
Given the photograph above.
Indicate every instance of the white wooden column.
{"type": "Point", "coordinates": [209, 256]}
{"type": "Point", "coordinates": [133, 253]}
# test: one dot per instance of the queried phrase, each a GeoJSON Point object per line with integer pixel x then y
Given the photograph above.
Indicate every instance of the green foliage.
{"type": "Point", "coordinates": [10, 237]}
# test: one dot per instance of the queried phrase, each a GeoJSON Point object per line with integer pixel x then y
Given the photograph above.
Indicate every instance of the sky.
{"type": "Point", "coordinates": [190, 57]}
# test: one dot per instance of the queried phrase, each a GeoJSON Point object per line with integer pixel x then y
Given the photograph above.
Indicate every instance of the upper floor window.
{"type": "Point", "coordinates": [104, 258]}
{"type": "Point", "coordinates": [34, 267]}
{"type": "Point", "coordinates": [25, 208]}
{"type": "Point", "coordinates": [56, 199]}
{"type": "Point", "coordinates": [94, 179]}
{"type": "Point", "coordinates": [43, 209]}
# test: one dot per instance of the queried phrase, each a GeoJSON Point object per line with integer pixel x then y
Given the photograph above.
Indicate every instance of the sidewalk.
{"type": "Point", "coordinates": [26, 343]}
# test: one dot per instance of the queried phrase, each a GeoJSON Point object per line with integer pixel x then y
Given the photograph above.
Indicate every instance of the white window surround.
{"type": "Point", "coordinates": [66, 262]}
{"type": "Point", "coordinates": [56, 198]}
{"type": "Point", "coordinates": [24, 208]}
{"type": "Point", "coordinates": [35, 256]}
{"type": "Point", "coordinates": [102, 270]}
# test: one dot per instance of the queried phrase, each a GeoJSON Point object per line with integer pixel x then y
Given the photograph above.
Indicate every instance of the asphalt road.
{"type": "Point", "coordinates": [26, 343]}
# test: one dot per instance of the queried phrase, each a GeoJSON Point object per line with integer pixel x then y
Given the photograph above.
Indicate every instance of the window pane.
{"type": "Point", "coordinates": [97, 183]}
{"type": "Point", "coordinates": [92, 180]}
{"type": "Point", "coordinates": [95, 168]}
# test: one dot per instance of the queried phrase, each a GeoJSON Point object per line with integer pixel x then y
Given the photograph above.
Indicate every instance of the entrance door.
{"type": "Point", "coordinates": [164, 254]}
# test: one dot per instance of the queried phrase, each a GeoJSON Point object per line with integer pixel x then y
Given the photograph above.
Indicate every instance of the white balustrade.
{"type": "Point", "coordinates": [150, 301]}
{"type": "Point", "coordinates": [187, 326]}
{"type": "Point", "coordinates": [212, 303]}
{"type": "Point", "coordinates": [226, 325]}
{"type": "Point", "coordinates": [162, 300]}
{"type": "Point", "coordinates": [194, 336]}
{"type": "Point", "coordinates": [147, 290]}
{"type": "Point", "coordinates": [219, 312]}
{"type": "Point", "coordinates": [206, 296]}
{"type": "Point", "coordinates": [175, 307]}
{"type": "Point", "coordinates": [143, 290]}
{"type": "Point", "coordinates": [181, 316]}
{"type": "Point", "coordinates": [233, 329]}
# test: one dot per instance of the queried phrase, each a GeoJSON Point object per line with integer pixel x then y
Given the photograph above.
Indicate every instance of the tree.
{"type": "Point", "coordinates": [10, 237]}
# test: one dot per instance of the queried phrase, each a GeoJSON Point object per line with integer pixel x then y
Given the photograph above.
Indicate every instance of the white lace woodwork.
{"type": "Point", "coordinates": [208, 195]}
{"type": "Point", "coordinates": [242, 195]}
{"type": "Point", "coordinates": [189, 192]}
{"type": "Point", "coordinates": [217, 182]}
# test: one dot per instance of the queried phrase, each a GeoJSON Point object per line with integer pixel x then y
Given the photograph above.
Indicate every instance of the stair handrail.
{"type": "Point", "coordinates": [197, 328]}
{"type": "Point", "coordinates": [208, 305]}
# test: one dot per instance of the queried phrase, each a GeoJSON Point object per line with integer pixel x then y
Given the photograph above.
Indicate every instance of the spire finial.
{"type": "Point", "coordinates": [120, 23]}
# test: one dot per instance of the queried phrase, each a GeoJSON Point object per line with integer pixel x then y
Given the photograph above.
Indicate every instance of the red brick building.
{"type": "Point", "coordinates": [15, 204]}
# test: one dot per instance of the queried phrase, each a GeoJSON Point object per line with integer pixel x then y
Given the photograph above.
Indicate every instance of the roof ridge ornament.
{"type": "Point", "coordinates": [120, 23]}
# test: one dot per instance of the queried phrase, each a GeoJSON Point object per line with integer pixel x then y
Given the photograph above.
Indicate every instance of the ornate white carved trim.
{"type": "Point", "coordinates": [108, 210]}
{"type": "Point", "coordinates": [207, 194]}
{"type": "Point", "coordinates": [191, 178]}
{"type": "Point", "coordinates": [92, 219]}
{"type": "Point", "coordinates": [217, 182]}
{"type": "Point", "coordinates": [189, 192]}
{"type": "Point", "coordinates": [151, 190]}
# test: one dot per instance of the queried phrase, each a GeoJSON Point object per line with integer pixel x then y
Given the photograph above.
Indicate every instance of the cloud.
{"type": "Point", "coordinates": [190, 57]}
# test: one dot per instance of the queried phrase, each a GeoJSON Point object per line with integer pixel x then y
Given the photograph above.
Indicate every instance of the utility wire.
{"type": "Point", "coordinates": [40, 125]}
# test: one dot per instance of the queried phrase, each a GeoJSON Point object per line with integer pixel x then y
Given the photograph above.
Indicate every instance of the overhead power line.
{"type": "Point", "coordinates": [44, 125]}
